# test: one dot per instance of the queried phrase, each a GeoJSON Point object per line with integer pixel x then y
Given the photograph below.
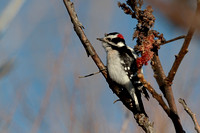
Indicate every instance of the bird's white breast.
{"type": "Point", "coordinates": [115, 69]}
{"type": "Point", "coordinates": [117, 73]}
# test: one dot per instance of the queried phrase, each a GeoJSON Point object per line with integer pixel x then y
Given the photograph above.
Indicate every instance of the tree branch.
{"type": "Point", "coordinates": [124, 96]}
{"type": "Point", "coordinates": [91, 74]}
{"type": "Point", "coordinates": [186, 43]}
{"type": "Point", "coordinates": [174, 39]}
{"type": "Point", "coordinates": [167, 91]}
{"type": "Point", "coordinates": [160, 78]}
{"type": "Point", "coordinates": [154, 94]}
{"type": "Point", "coordinates": [192, 115]}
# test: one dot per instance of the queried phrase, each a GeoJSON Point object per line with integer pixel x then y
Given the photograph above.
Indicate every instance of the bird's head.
{"type": "Point", "coordinates": [113, 39]}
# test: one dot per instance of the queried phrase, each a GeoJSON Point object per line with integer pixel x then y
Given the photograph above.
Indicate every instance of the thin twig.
{"type": "Point", "coordinates": [191, 114]}
{"type": "Point", "coordinates": [174, 39]}
{"type": "Point", "coordinates": [116, 101]}
{"type": "Point", "coordinates": [184, 48]}
{"type": "Point", "coordinates": [91, 74]}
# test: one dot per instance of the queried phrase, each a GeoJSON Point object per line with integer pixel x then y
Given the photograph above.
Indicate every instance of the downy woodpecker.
{"type": "Point", "coordinates": [122, 68]}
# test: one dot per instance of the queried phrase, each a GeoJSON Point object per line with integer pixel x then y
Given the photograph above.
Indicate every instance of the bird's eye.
{"type": "Point", "coordinates": [109, 39]}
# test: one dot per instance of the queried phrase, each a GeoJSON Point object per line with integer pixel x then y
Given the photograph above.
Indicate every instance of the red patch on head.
{"type": "Point", "coordinates": [120, 36]}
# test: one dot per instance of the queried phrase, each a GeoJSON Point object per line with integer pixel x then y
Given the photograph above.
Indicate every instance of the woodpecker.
{"type": "Point", "coordinates": [122, 68]}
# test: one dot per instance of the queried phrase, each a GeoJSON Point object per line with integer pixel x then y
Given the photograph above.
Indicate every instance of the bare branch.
{"type": "Point", "coordinates": [125, 8]}
{"type": "Point", "coordinates": [192, 115]}
{"type": "Point", "coordinates": [155, 95]}
{"type": "Point", "coordinates": [144, 122]}
{"type": "Point", "coordinates": [174, 39]}
{"type": "Point", "coordinates": [184, 48]}
{"type": "Point", "coordinates": [160, 78]}
{"type": "Point", "coordinates": [167, 91]}
{"type": "Point", "coordinates": [91, 74]}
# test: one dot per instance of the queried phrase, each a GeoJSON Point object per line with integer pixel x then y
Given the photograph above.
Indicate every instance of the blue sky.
{"type": "Point", "coordinates": [42, 92]}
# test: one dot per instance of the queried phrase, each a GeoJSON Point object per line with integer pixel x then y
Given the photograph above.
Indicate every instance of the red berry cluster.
{"type": "Point", "coordinates": [146, 50]}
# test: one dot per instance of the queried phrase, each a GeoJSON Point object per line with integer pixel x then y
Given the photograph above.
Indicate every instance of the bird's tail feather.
{"type": "Point", "coordinates": [137, 100]}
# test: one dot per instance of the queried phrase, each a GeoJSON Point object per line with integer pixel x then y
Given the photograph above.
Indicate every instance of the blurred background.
{"type": "Point", "coordinates": [42, 58]}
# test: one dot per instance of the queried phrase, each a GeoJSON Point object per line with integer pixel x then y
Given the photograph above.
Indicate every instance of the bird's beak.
{"type": "Point", "coordinates": [100, 39]}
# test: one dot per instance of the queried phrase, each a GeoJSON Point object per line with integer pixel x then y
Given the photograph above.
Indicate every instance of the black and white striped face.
{"type": "Point", "coordinates": [113, 39]}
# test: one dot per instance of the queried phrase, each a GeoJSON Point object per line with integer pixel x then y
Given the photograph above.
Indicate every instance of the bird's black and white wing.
{"type": "Point", "coordinates": [130, 66]}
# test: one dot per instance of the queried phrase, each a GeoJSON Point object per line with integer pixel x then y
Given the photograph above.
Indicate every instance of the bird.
{"type": "Point", "coordinates": [122, 68]}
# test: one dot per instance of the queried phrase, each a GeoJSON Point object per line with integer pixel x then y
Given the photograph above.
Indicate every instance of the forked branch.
{"type": "Point", "coordinates": [186, 43]}
{"type": "Point", "coordinates": [154, 94]}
